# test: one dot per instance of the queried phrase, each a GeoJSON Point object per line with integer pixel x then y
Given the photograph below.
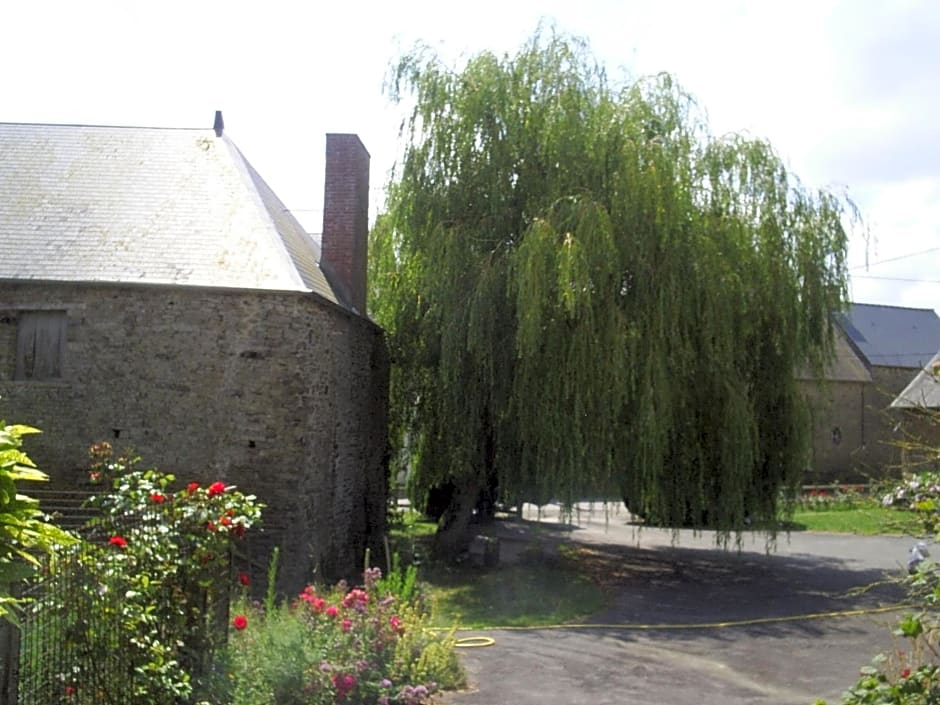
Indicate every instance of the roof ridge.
{"type": "Point", "coordinates": [106, 127]}
{"type": "Point", "coordinates": [904, 308]}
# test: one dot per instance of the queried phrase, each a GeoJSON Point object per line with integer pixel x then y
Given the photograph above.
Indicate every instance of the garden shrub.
{"type": "Point", "coordinates": [919, 493]}
{"type": "Point", "coordinates": [833, 497]}
{"type": "Point", "coordinates": [367, 645]}
{"type": "Point", "coordinates": [141, 605]}
{"type": "Point", "coordinates": [24, 535]}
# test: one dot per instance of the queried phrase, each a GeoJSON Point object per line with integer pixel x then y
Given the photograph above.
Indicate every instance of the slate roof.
{"type": "Point", "coordinates": [145, 205]}
{"type": "Point", "coordinates": [892, 336]}
{"type": "Point", "coordinates": [924, 390]}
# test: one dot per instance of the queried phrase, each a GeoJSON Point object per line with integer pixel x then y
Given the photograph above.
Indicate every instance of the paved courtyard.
{"type": "Point", "coordinates": [701, 625]}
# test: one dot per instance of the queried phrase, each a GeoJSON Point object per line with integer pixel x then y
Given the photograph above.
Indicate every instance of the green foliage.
{"type": "Point", "coordinates": [876, 686]}
{"type": "Point", "coordinates": [137, 606]}
{"type": "Point", "coordinates": [400, 583]}
{"type": "Point", "coordinates": [589, 294]}
{"type": "Point", "coordinates": [919, 493]}
{"type": "Point", "coordinates": [363, 646]}
{"type": "Point", "coordinates": [24, 535]}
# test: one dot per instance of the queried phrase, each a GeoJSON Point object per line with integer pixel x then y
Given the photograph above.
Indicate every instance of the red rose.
{"type": "Point", "coordinates": [225, 521]}
{"type": "Point", "coordinates": [118, 541]}
{"type": "Point", "coordinates": [210, 525]}
{"type": "Point", "coordinates": [905, 673]}
{"type": "Point", "coordinates": [240, 622]}
{"type": "Point", "coordinates": [244, 579]}
{"type": "Point", "coordinates": [70, 690]}
{"type": "Point", "coordinates": [216, 488]}
{"type": "Point", "coordinates": [192, 487]}
{"type": "Point", "coordinates": [157, 498]}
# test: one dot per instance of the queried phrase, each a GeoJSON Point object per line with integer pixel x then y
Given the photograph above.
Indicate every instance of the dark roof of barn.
{"type": "Point", "coordinates": [924, 390]}
{"type": "Point", "coordinates": [145, 205]}
{"type": "Point", "coordinates": [892, 336]}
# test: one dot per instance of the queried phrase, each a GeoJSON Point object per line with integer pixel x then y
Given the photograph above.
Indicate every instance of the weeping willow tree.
{"type": "Point", "coordinates": [589, 294]}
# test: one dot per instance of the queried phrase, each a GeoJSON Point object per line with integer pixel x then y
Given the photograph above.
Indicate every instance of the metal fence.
{"type": "Point", "coordinates": [74, 645]}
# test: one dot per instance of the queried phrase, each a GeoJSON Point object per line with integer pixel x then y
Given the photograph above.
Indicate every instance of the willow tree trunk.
{"type": "Point", "coordinates": [456, 527]}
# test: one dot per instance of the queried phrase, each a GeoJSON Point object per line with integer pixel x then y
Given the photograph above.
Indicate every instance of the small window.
{"type": "Point", "coordinates": [40, 345]}
{"type": "Point", "coordinates": [836, 435]}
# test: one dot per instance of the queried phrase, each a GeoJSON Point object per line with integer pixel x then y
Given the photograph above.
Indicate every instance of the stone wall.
{"type": "Point", "coordinates": [868, 445]}
{"type": "Point", "coordinates": [282, 394]}
{"type": "Point", "coordinates": [838, 440]}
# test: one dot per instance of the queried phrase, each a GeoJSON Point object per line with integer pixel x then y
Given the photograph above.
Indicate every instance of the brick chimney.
{"type": "Point", "coordinates": [346, 218]}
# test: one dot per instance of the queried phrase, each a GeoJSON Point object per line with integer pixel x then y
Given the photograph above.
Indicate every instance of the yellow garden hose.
{"type": "Point", "coordinates": [480, 641]}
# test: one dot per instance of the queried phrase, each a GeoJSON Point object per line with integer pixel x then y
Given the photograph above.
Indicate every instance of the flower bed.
{"type": "Point", "coordinates": [369, 644]}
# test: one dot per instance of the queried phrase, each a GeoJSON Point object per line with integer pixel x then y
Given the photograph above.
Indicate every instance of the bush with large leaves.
{"type": "Point", "coordinates": [24, 535]}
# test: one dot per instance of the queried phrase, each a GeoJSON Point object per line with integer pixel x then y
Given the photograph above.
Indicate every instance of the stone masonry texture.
{"type": "Point", "coordinates": [281, 394]}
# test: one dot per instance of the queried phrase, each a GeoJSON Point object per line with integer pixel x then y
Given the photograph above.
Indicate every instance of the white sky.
{"type": "Point", "coordinates": [847, 91]}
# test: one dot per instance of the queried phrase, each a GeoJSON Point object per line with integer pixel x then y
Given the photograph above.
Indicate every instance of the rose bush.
{"type": "Point", "coordinates": [146, 594]}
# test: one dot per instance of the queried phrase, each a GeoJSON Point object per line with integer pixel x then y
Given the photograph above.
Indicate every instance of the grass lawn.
{"type": "Point", "coordinates": [539, 590]}
{"type": "Point", "coordinates": [863, 517]}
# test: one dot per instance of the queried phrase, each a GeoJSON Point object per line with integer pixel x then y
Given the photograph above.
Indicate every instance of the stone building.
{"type": "Point", "coordinates": [879, 351]}
{"type": "Point", "coordinates": [917, 409]}
{"type": "Point", "coordinates": [155, 292]}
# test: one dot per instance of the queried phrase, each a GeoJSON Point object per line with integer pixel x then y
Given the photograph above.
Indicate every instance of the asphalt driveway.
{"type": "Point", "coordinates": [698, 625]}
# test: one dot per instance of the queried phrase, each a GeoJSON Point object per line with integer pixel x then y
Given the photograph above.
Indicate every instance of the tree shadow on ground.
{"type": "Point", "coordinates": [717, 592]}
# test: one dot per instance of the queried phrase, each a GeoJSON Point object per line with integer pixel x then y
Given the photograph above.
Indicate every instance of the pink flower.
{"type": "Point", "coordinates": [331, 611]}
{"type": "Point", "coordinates": [343, 682]}
{"type": "Point", "coordinates": [240, 622]}
{"type": "Point", "coordinates": [905, 673]}
{"type": "Point", "coordinates": [244, 579]}
{"type": "Point", "coordinates": [70, 690]}
{"type": "Point", "coordinates": [118, 541]}
{"type": "Point", "coordinates": [396, 624]}
{"type": "Point", "coordinates": [346, 625]}
{"type": "Point", "coordinates": [157, 498]}
{"type": "Point", "coordinates": [216, 488]}
{"type": "Point", "coordinates": [356, 599]}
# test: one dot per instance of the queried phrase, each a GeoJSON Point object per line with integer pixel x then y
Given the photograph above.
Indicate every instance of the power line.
{"type": "Point", "coordinates": [897, 279]}
{"type": "Point", "coordinates": [899, 257]}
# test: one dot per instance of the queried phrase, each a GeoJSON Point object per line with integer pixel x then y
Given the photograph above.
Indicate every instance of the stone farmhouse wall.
{"type": "Point", "coordinates": [838, 440]}
{"type": "Point", "coordinates": [856, 436]}
{"type": "Point", "coordinates": [282, 394]}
